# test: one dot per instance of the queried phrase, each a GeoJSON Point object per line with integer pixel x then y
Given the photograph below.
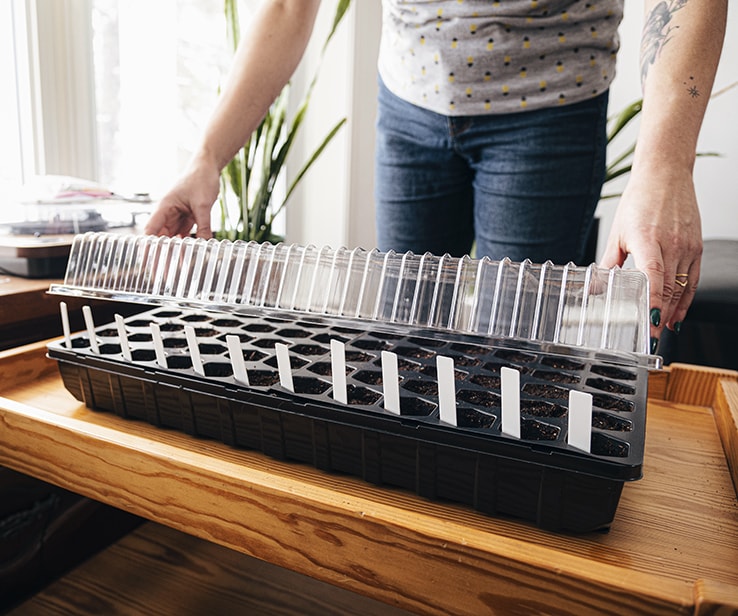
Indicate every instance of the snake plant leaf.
{"type": "Point", "coordinates": [624, 117]}
{"type": "Point", "coordinates": [253, 172]}
{"type": "Point", "coordinates": [311, 160]}
{"type": "Point", "coordinates": [233, 25]}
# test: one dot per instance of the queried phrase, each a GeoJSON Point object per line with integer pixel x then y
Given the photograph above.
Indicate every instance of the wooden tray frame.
{"type": "Point", "coordinates": [673, 547]}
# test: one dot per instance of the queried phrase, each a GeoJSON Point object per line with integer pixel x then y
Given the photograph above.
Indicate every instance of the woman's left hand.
{"type": "Point", "coordinates": [658, 223]}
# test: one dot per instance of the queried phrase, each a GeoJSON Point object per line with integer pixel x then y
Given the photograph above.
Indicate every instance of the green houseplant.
{"type": "Point", "coordinates": [252, 174]}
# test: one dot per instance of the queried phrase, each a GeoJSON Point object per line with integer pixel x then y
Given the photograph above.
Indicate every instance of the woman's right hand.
{"type": "Point", "coordinates": [188, 203]}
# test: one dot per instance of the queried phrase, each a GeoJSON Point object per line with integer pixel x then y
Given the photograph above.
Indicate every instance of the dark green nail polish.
{"type": "Point", "coordinates": [677, 327]}
{"type": "Point", "coordinates": [654, 345]}
{"type": "Point", "coordinates": [655, 317]}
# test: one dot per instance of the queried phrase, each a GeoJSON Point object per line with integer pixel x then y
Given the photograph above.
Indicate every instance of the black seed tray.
{"type": "Point", "coordinates": [538, 478]}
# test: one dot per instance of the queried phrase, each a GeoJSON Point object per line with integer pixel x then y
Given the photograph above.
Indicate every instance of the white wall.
{"type": "Point", "coordinates": [337, 196]}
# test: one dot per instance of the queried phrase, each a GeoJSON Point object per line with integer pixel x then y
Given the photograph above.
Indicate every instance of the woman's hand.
{"type": "Point", "coordinates": [658, 223]}
{"type": "Point", "coordinates": [188, 203]}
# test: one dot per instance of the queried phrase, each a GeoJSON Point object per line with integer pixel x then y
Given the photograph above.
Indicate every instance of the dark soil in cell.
{"type": "Point", "coordinates": [424, 388]}
{"type": "Point", "coordinates": [226, 323]}
{"type": "Point", "coordinates": [603, 445]}
{"type": "Point", "coordinates": [469, 349]}
{"type": "Point", "coordinates": [139, 323]}
{"type": "Point", "coordinates": [253, 355]}
{"type": "Point", "coordinates": [293, 333]}
{"type": "Point", "coordinates": [206, 332]}
{"type": "Point", "coordinates": [326, 338]}
{"type": "Point", "coordinates": [479, 398]}
{"type": "Point", "coordinates": [80, 343]}
{"type": "Point", "coordinates": [309, 349]}
{"type": "Point", "coordinates": [611, 386]}
{"type": "Point", "coordinates": [605, 421]}
{"type": "Point", "coordinates": [464, 360]}
{"type": "Point", "coordinates": [324, 368]}
{"type": "Point", "coordinates": [541, 408]}
{"type": "Point", "coordinates": [415, 407]}
{"type": "Point", "coordinates": [469, 418]}
{"type": "Point", "coordinates": [532, 430]}
{"type": "Point", "coordinates": [432, 371]}
{"type": "Point", "coordinates": [361, 395]}
{"type": "Point", "coordinates": [306, 385]}
{"type": "Point", "coordinates": [613, 372]}
{"type": "Point", "coordinates": [179, 362]}
{"type": "Point", "coordinates": [515, 356]}
{"type": "Point", "coordinates": [166, 314]}
{"type": "Point", "coordinates": [611, 403]}
{"type": "Point", "coordinates": [218, 369]}
{"type": "Point", "coordinates": [414, 352]}
{"type": "Point", "coordinates": [406, 365]}
{"type": "Point", "coordinates": [196, 318]}
{"type": "Point", "coordinates": [371, 345]}
{"type": "Point", "coordinates": [261, 328]}
{"type": "Point", "coordinates": [108, 333]}
{"type": "Point", "coordinates": [561, 363]}
{"type": "Point", "coordinates": [486, 380]}
{"type": "Point", "coordinates": [139, 338]}
{"type": "Point", "coordinates": [174, 343]}
{"type": "Point", "coordinates": [556, 377]}
{"type": "Point", "coordinates": [358, 357]}
{"type": "Point", "coordinates": [263, 378]}
{"type": "Point", "coordinates": [170, 327]}
{"type": "Point", "coordinates": [211, 349]}
{"type": "Point", "coordinates": [266, 343]}
{"type": "Point", "coordinates": [546, 391]}
{"type": "Point", "coordinates": [143, 355]}
{"type": "Point", "coordinates": [371, 377]}
{"type": "Point", "coordinates": [109, 349]}
{"type": "Point", "coordinates": [295, 362]}
{"type": "Point", "coordinates": [426, 342]}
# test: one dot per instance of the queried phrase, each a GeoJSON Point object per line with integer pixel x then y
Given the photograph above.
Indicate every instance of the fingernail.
{"type": "Point", "coordinates": [677, 327]}
{"type": "Point", "coordinates": [654, 345]}
{"type": "Point", "coordinates": [655, 317]}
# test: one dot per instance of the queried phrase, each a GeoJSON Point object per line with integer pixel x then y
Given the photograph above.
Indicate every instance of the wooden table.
{"type": "Point", "coordinates": [673, 546]}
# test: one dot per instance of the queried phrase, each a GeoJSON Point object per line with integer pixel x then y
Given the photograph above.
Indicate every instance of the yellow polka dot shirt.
{"type": "Point", "coordinates": [471, 57]}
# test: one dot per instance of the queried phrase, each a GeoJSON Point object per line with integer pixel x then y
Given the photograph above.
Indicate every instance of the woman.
{"type": "Point", "coordinates": [491, 130]}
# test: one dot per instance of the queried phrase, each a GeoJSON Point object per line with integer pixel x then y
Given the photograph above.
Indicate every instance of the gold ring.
{"type": "Point", "coordinates": [680, 282]}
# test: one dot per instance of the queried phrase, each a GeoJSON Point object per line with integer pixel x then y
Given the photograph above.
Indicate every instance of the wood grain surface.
{"type": "Point", "coordinates": [672, 548]}
{"type": "Point", "coordinates": [158, 571]}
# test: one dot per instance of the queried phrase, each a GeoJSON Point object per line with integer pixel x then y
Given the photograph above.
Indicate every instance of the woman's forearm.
{"type": "Point", "coordinates": [680, 50]}
{"type": "Point", "coordinates": [266, 57]}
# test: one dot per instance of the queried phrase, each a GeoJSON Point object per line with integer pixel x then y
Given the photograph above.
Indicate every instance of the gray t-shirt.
{"type": "Point", "coordinates": [471, 57]}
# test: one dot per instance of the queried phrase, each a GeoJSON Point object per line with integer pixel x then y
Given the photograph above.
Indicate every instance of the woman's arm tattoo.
{"type": "Point", "coordinates": [657, 32]}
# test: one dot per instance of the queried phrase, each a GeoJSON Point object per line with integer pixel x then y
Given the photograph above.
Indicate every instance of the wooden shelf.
{"type": "Point", "coordinates": [158, 570]}
{"type": "Point", "coordinates": [672, 548]}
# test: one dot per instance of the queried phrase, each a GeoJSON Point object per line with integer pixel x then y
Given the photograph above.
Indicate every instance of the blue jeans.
{"type": "Point", "coordinates": [521, 185]}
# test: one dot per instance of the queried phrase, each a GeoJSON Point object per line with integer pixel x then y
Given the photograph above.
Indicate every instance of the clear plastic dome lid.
{"type": "Point", "coordinates": [571, 307]}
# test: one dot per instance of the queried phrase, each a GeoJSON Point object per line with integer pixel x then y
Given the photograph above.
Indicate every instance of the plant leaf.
{"type": "Point", "coordinates": [625, 117]}
{"type": "Point", "coordinates": [328, 138]}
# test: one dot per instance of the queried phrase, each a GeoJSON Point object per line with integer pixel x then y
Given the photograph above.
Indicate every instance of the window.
{"type": "Point", "coordinates": [157, 68]}
{"type": "Point", "coordinates": [15, 97]}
